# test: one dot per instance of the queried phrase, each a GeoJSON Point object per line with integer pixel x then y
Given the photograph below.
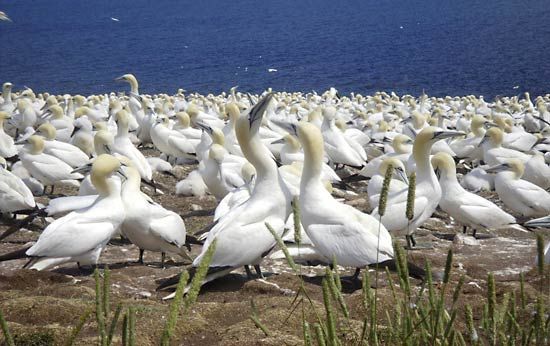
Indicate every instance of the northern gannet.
{"type": "Point", "coordinates": [519, 195]}
{"type": "Point", "coordinates": [338, 231]}
{"type": "Point", "coordinates": [374, 187]}
{"type": "Point", "coordinates": [82, 235]}
{"type": "Point", "coordinates": [467, 208]}
{"type": "Point", "coordinates": [47, 169]}
{"type": "Point", "coordinates": [66, 152]}
{"type": "Point", "coordinates": [428, 191]}
{"type": "Point", "coordinates": [242, 238]}
{"type": "Point", "coordinates": [14, 194]}
{"type": "Point", "coordinates": [7, 145]}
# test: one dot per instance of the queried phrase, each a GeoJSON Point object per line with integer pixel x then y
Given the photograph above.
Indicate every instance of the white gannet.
{"type": "Point", "coordinates": [519, 195]}
{"type": "Point", "coordinates": [171, 142]}
{"type": "Point", "coordinates": [147, 224]}
{"type": "Point", "coordinates": [7, 145]}
{"type": "Point", "coordinates": [374, 188]}
{"type": "Point", "coordinates": [467, 208]}
{"type": "Point", "coordinates": [338, 231]}
{"type": "Point", "coordinates": [14, 194]}
{"type": "Point", "coordinates": [66, 152]}
{"type": "Point", "coordinates": [402, 146]}
{"type": "Point", "coordinates": [537, 171]}
{"type": "Point", "coordinates": [340, 149]}
{"type": "Point", "coordinates": [478, 180]}
{"type": "Point", "coordinates": [242, 238]}
{"type": "Point", "coordinates": [494, 153]}
{"type": "Point", "coordinates": [428, 191]}
{"type": "Point", "coordinates": [82, 235]}
{"type": "Point", "coordinates": [63, 124]}
{"type": "Point", "coordinates": [238, 195]}
{"type": "Point", "coordinates": [124, 147]}
{"type": "Point", "coordinates": [47, 169]}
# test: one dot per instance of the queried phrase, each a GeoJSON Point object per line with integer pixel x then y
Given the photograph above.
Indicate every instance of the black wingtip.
{"type": "Point", "coordinates": [17, 254]}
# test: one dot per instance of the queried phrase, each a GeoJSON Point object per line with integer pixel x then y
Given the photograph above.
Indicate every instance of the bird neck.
{"type": "Point", "coordinates": [260, 157]}
{"type": "Point", "coordinates": [313, 161]}
{"type": "Point", "coordinates": [421, 155]}
{"type": "Point", "coordinates": [105, 186]}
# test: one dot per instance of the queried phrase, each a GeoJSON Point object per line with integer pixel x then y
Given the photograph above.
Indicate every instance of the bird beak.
{"type": "Point", "coordinates": [76, 128]}
{"type": "Point", "coordinates": [287, 126]}
{"type": "Point", "coordinates": [540, 222]}
{"type": "Point", "coordinates": [257, 112]}
{"type": "Point", "coordinates": [491, 124]}
{"type": "Point", "coordinates": [498, 168]}
{"type": "Point", "coordinates": [45, 114]}
{"type": "Point", "coordinates": [83, 169]}
{"type": "Point", "coordinates": [402, 176]}
{"type": "Point", "coordinates": [205, 127]}
{"type": "Point", "coordinates": [121, 78]}
{"type": "Point", "coordinates": [121, 172]}
{"type": "Point", "coordinates": [484, 140]}
{"type": "Point", "coordinates": [448, 134]}
{"type": "Point", "coordinates": [279, 141]}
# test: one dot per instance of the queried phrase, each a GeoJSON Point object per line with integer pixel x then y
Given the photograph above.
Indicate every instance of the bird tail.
{"type": "Point", "coordinates": [23, 223]}
{"type": "Point", "coordinates": [414, 270]}
{"type": "Point", "coordinates": [17, 254]}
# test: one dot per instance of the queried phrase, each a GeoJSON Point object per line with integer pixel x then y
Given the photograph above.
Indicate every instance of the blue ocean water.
{"type": "Point", "coordinates": [491, 47]}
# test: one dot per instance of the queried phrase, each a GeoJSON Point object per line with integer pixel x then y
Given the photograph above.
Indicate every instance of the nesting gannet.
{"type": "Point", "coordinates": [241, 235]}
{"type": "Point", "coordinates": [192, 185]}
{"type": "Point", "coordinates": [238, 195]}
{"type": "Point", "coordinates": [220, 177]}
{"type": "Point", "coordinates": [66, 152]}
{"type": "Point", "coordinates": [494, 153]}
{"type": "Point", "coordinates": [467, 208]}
{"type": "Point", "coordinates": [469, 147]}
{"type": "Point", "coordinates": [8, 105]}
{"type": "Point", "coordinates": [14, 194]}
{"type": "Point", "coordinates": [82, 235]}
{"type": "Point", "coordinates": [478, 180]}
{"type": "Point", "coordinates": [171, 142]}
{"type": "Point", "coordinates": [147, 224]}
{"type": "Point", "coordinates": [537, 171]}
{"type": "Point", "coordinates": [519, 195]}
{"type": "Point", "coordinates": [338, 231]}
{"type": "Point", "coordinates": [63, 124]}
{"type": "Point", "coordinates": [402, 146]}
{"type": "Point", "coordinates": [340, 149]}
{"type": "Point", "coordinates": [124, 147]}
{"type": "Point", "coordinates": [7, 146]}
{"type": "Point", "coordinates": [428, 191]}
{"type": "Point", "coordinates": [374, 187]}
{"type": "Point", "coordinates": [47, 169]}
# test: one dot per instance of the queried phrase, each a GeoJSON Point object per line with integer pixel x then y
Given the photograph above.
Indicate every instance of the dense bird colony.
{"type": "Point", "coordinates": [256, 154]}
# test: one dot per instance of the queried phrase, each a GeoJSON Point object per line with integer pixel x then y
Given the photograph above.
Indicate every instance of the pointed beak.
{"type": "Point", "coordinates": [279, 141]}
{"type": "Point", "coordinates": [257, 112]}
{"type": "Point", "coordinates": [75, 129]}
{"type": "Point", "coordinates": [498, 168]}
{"type": "Point", "coordinates": [121, 78]}
{"type": "Point", "coordinates": [401, 174]}
{"type": "Point", "coordinates": [287, 126]}
{"type": "Point", "coordinates": [83, 169]}
{"type": "Point", "coordinates": [540, 222]}
{"type": "Point", "coordinates": [448, 134]}
{"type": "Point", "coordinates": [491, 124]}
{"type": "Point", "coordinates": [121, 172]}
{"type": "Point", "coordinates": [204, 127]}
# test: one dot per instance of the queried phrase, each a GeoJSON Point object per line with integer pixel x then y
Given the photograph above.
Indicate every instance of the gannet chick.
{"type": "Point", "coordinates": [338, 231]}
{"type": "Point", "coordinates": [7, 145]}
{"type": "Point", "coordinates": [66, 152]}
{"type": "Point", "coordinates": [428, 191]}
{"type": "Point", "coordinates": [147, 224]}
{"type": "Point", "coordinates": [374, 187]}
{"type": "Point", "coordinates": [238, 195]}
{"type": "Point", "coordinates": [192, 185]}
{"type": "Point", "coordinates": [47, 169]}
{"type": "Point", "coordinates": [467, 208]}
{"type": "Point", "coordinates": [241, 235]}
{"type": "Point", "coordinates": [478, 180]}
{"type": "Point", "coordinates": [14, 194]}
{"type": "Point", "coordinates": [521, 196]}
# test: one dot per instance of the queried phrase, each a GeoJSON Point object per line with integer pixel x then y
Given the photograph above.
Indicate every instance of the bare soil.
{"type": "Point", "coordinates": [47, 305]}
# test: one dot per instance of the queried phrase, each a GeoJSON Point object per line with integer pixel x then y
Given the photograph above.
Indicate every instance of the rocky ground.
{"type": "Point", "coordinates": [48, 304]}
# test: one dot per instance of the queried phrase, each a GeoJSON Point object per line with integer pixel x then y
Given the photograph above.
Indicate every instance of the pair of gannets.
{"type": "Point", "coordinates": [242, 238]}
{"type": "Point", "coordinates": [81, 235]}
{"type": "Point", "coordinates": [427, 192]}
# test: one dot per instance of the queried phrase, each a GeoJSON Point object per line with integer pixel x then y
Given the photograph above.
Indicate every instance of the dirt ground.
{"type": "Point", "coordinates": [49, 304]}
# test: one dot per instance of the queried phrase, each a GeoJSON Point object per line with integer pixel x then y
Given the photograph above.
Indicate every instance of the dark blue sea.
{"type": "Point", "coordinates": [483, 47]}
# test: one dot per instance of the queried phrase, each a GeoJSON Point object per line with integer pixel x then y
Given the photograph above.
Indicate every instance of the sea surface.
{"type": "Point", "coordinates": [459, 47]}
